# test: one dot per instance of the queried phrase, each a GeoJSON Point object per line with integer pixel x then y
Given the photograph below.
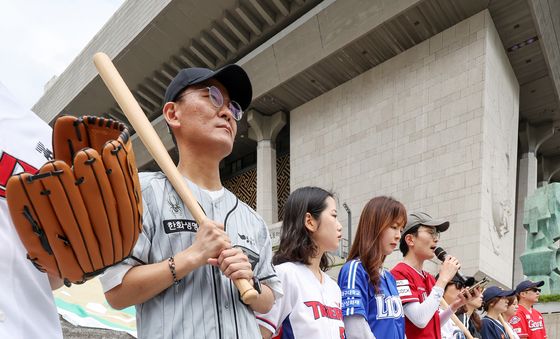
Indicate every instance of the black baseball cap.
{"type": "Point", "coordinates": [527, 284]}
{"type": "Point", "coordinates": [424, 219]}
{"type": "Point", "coordinates": [233, 77]}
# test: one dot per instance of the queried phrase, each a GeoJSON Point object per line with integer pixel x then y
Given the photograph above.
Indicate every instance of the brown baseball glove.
{"type": "Point", "coordinates": [82, 212]}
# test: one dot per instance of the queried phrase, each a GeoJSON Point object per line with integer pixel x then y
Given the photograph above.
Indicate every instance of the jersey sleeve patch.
{"type": "Point", "coordinates": [404, 291]}
{"type": "Point", "coordinates": [352, 303]}
{"type": "Point", "coordinates": [353, 292]}
{"type": "Point", "coordinates": [514, 320]}
{"type": "Point", "coordinates": [402, 282]}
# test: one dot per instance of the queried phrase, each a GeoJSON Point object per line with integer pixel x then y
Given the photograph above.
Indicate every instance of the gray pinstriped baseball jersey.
{"type": "Point", "coordinates": [205, 304]}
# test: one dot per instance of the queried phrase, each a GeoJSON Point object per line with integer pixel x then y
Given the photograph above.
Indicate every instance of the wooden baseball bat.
{"type": "Point", "coordinates": [456, 320]}
{"type": "Point", "coordinates": [506, 326]}
{"type": "Point", "coordinates": [151, 140]}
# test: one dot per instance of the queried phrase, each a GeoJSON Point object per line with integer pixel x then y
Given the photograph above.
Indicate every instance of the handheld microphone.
{"type": "Point", "coordinates": [441, 254]}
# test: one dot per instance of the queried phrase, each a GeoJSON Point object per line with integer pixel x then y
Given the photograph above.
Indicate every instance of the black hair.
{"type": "Point", "coordinates": [296, 244]}
{"type": "Point", "coordinates": [403, 245]}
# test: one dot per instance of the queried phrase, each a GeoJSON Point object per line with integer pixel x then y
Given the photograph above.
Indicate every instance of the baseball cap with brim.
{"type": "Point", "coordinates": [233, 77]}
{"type": "Point", "coordinates": [527, 284]}
{"type": "Point", "coordinates": [494, 291]}
{"type": "Point", "coordinates": [424, 219]}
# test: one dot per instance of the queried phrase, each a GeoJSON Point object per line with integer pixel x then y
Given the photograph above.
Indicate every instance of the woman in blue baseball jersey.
{"type": "Point", "coordinates": [371, 305]}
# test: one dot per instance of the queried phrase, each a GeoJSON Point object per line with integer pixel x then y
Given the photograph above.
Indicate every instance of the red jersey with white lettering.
{"type": "Point", "coordinates": [414, 286]}
{"type": "Point", "coordinates": [309, 309]}
{"type": "Point", "coordinates": [529, 322]}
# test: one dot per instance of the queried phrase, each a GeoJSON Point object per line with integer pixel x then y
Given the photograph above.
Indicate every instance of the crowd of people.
{"type": "Point", "coordinates": [405, 302]}
{"type": "Point", "coordinates": [181, 282]}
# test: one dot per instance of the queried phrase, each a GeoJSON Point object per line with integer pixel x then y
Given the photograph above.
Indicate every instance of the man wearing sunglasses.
{"type": "Point", "coordinates": [420, 293]}
{"type": "Point", "coordinates": [528, 322]}
{"type": "Point", "coordinates": [180, 273]}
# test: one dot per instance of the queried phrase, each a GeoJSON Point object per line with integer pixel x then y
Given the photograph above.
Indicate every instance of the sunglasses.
{"type": "Point", "coordinates": [534, 289]}
{"type": "Point", "coordinates": [217, 100]}
{"type": "Point", "coordinates": [458, 285]}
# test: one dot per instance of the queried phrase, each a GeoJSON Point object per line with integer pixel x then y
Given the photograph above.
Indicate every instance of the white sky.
{"type": "Point", "coordinates": [40, 38]}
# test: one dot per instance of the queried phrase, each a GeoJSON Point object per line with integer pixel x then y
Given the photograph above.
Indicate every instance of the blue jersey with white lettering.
{"type": "Point", "coordinates": [383, 310]}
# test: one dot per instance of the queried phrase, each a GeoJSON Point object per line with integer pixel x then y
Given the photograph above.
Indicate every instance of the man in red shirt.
{"type": "Point", "coordinates": [419, 291]}
{"type": "Point", "coordinates": [528, 322]}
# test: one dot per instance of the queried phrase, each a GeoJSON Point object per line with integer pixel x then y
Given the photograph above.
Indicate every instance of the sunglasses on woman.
{"type": "Point", "coordinates": [458, 285]}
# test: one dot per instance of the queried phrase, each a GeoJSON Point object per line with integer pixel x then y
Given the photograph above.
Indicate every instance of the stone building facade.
{"type": "Point", "coordinates": [448, 105]}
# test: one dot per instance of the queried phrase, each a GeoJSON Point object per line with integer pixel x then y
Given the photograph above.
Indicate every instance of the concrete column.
{"type": "Point", "coordinates": [526, 185]}
{"type": "Point", "coordinates": [264, 129]}
{"type": "Point", "coordinates": [549, 167]}
{"type": "Point", "coordinates": [530, 139]}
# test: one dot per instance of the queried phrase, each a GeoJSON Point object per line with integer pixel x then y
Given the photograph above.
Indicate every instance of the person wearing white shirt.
{"type": "Point", "coordinates": [27, 308]}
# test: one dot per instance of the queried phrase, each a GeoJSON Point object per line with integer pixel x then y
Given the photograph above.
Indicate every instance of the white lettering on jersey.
{"type": "Point", "coordinates": [388, 307]}
{"type": "Point", "coordinates": [535, 325]}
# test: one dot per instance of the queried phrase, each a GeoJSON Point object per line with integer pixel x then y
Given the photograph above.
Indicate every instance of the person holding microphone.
{"type": "Point", "coordinates": [420, 292]}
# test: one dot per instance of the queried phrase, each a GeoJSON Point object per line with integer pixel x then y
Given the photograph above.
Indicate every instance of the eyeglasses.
{"type": "Point", "coordinates": [432, 231]}
{"type": "Point", "coordinates": [217, 99]}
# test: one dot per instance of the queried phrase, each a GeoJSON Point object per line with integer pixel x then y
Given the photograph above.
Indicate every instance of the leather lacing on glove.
{"type": "Point", "coordinates": [81, 212]}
